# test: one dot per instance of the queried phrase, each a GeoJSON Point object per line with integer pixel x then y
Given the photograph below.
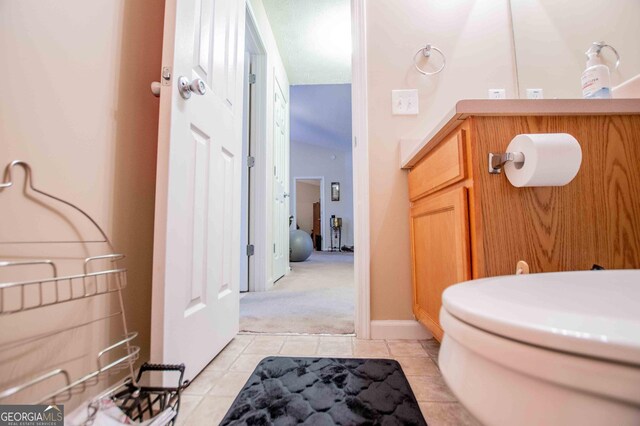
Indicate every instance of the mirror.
{"type": "Point", "coordinates": [551, 38]}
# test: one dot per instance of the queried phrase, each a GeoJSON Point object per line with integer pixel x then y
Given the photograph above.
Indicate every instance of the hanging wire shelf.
{"type": "Point", "coordinates": [19, 296]}
{"type": "Point", "coordinates": [33, 294]}
{"type": "Point", "coordinates": [104, 368]}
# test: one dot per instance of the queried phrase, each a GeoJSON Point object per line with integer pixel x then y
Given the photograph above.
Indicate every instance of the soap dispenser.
{"type": "Point", "coordinates": [596, 79]}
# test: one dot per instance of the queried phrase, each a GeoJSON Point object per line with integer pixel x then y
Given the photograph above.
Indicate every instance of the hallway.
{"type": "Point", "coordinates": [316, 297]}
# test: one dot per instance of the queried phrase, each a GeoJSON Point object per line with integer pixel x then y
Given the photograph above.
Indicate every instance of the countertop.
{"type": "Point", "coordinates": [412, 150]}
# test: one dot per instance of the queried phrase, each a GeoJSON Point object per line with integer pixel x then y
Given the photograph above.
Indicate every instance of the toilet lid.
{"type": "Point", "coordinates": [591, 313]}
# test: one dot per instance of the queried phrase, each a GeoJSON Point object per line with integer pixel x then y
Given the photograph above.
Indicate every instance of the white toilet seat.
{"type": "Point", "coordinates": [591, 313]}
{"type": "Point", "coordinates": [504, 380]}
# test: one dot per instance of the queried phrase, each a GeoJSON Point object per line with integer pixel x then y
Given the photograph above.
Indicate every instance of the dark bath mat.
{"type": "Point", "coordinates": [325, 391]}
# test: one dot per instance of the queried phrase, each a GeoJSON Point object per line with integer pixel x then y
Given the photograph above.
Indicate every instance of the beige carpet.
{"type": "Point", "coordinates": [316, 297]}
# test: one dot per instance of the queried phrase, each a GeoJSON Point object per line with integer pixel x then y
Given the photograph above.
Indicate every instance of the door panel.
{"type": "Point", "coordinates": [203, 54]}
{"type": "Point", "coordinates": [198, 188]}
{"type": "Point", "coordinates": [195, 309]}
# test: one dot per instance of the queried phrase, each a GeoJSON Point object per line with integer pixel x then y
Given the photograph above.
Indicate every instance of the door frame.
{"type": "Point", "coordinates": [360, 132]}
{"type": "Point", "coordinates": [294, 201]}
{"type": "Point", "coordinates": [260, 190]}
{"type": "Point", "coordinates": [249, 134]}
{"type": "Point", "coordinates": [360, 154]}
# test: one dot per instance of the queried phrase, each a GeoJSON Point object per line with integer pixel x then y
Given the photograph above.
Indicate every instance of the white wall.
{"type": "Point", "coordinates": [309, 160]}
{"type": "Point", "coordinates": [76, 105]}
{"type": "Point", "coordinates": [275, 71]}
{"type": "Point", "coordinates": [476, 38]}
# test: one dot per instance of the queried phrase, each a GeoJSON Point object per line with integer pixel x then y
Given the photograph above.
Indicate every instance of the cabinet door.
{"type": "Point", "coordinates": [440, 252]}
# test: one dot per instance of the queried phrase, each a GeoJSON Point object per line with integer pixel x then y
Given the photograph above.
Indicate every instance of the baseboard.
{"type": "Point", "coordinates": [399, 329]}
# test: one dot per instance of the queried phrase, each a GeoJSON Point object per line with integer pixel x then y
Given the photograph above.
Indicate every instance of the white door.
{"type": "Point", "coordinates": [195, 310]}
{"type": "Point", "coordinates": [280, 185]}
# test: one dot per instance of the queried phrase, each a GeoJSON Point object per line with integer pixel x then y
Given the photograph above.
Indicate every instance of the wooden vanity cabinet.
{"type": "Point", "coordinates": [468, 224]}
{"type": "Point", "coordinates": [440, 236]}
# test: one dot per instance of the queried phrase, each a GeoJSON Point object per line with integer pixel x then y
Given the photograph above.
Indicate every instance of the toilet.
{"type": "Point", "coordinates": [545, 349]}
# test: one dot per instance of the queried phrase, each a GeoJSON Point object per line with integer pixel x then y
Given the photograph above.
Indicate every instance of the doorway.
{"type": "Point", "coordinates": [308, 172]}
{"type": "Point", "coordinates": [308, 199]}
{"type": "Point", "coordinates": [224, 83]}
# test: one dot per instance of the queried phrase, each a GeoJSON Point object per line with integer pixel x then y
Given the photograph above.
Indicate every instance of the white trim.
{"type": "Point", "coordinates": [246, 262]}
{"type": "Point", "coordinates": [399, 330]}
{"type": "Point", "coordinates": [262, 256]}
{"type": "Point", "coordinates": [294, 199]}
{"type": "Point", "coordinates": [360, 169]}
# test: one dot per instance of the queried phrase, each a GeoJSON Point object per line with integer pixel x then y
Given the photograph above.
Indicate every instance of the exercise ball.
{"type": "Point", "coordinates": [300, 245]}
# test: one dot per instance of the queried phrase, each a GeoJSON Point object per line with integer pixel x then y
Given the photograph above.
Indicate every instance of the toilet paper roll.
{"type": "Point", "coordinates": [550, 159]}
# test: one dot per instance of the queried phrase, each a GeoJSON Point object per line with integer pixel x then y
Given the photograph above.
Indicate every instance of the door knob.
{"type": "Point", "coordinates": [185, 88]}
{"type": "Point", "coordinates": [285, 195]}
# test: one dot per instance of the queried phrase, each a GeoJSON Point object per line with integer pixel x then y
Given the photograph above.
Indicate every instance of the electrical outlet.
{"type": "Point", "coordinates": [497, 94]}
{"type": "Point", "coordinates": [404, 102]}
{"type": "Point", "coordinates": [535, 94]}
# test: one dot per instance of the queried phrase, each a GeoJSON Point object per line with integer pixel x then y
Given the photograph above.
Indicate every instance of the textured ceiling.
{"type": "Point", "coordinates": [314, 39]}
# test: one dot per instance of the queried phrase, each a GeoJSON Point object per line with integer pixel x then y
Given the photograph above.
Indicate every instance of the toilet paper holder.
{"type": "Point", "coordinates": [497, 160]}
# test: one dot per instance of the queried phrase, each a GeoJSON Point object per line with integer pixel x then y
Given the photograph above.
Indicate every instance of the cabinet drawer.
{"type": "Point", "coordinates": [442, 167]}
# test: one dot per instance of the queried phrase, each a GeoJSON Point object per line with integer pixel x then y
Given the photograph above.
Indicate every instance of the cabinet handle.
{"type": "Point", "coordinates": [522, 267]}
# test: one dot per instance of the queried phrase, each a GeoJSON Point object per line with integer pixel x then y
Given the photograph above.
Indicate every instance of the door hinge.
{"type": "Point", "coordinates": [251, 161]}
{"type": "Point", "coordinates": [252, 79]}
{"type": "Point", "coordinates": [166, 76]}
{"type": "Point", "coordinates": [250, 249]}
{"type": "Point", "coordinates": [275, 173]}
{"type": "Point", "coordinates": [274, 247]}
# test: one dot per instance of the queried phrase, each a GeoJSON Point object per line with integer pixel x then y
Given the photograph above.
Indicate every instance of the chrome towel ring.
{"type": "Point", "coordinates": [426, 52]}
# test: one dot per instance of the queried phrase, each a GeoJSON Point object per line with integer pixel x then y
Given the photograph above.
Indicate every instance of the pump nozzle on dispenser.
{"type": "Point", "coordinates": [596, 79]}
{"type": "Point", "coordinates": [593, 54]}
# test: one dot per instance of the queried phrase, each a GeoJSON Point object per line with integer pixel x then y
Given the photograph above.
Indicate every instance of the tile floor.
{"type": "Point", "coordinates": [207, 399]}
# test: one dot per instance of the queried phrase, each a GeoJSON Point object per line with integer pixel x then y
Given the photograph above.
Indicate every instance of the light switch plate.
{"type": "Point", "coordinates": [535, 94]}
{"type": "Point", "coordinates": [404, 102]}
{"type": "Point", "coordinates": [497, 94]}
